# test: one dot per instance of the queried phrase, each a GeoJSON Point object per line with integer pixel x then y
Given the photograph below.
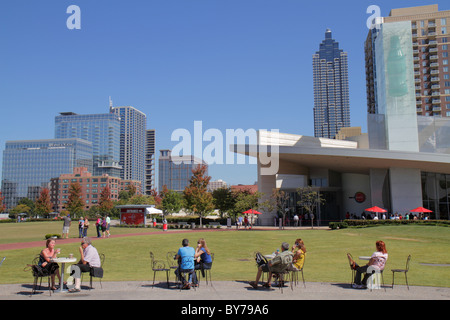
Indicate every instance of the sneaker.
{"type": "Point", "coordinates": [357, 286]}
{"type": "Point", "coordinates": [253, 284]}
{"type": "Point", "coordinates": [187, 286]}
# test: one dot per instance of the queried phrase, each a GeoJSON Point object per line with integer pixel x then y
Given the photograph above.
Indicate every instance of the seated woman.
{"type": "Point", "coordinates": [299, 251]}
{"type": "Point", "coordinates": [45, 261]}
{"type": "Point", "coordinates": [377, 261]}
{"type": "Point", "coordinates": [202, 256]}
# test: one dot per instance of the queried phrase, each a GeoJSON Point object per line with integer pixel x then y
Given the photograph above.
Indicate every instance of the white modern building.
{"type": "Point", "coordinates": [402, 163]}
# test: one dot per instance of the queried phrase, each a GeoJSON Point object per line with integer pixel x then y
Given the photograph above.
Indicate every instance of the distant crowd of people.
{"type": "Point", "coordinates": [386, 216]}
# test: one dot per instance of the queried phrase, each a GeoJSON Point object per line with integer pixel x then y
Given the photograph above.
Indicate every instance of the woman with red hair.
{"type": "Point", "coordinates": [377, 261]}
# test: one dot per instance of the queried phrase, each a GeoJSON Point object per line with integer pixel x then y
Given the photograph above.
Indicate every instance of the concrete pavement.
{"type": "Point", "coordinates": [224, 290]}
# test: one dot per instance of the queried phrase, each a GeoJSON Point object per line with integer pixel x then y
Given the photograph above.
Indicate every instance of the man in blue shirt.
{"type": "Point", "coordinates": [185, 257]}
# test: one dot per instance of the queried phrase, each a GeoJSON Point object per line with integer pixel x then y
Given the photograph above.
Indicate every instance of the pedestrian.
{"type": "Point", "coordinates": [66, 225]}
{"type": "Point", "coordinates": [80, 227]}
{"type": "Point", "coordinates": [108, 223]}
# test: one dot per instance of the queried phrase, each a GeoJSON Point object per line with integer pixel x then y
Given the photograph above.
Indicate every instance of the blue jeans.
{"type": "Point", "coordinates": [192, 275]}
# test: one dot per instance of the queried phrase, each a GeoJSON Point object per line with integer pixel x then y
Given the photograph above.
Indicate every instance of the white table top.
{"type": "Point", "coordinates": [365, 257]}
{"type": "Point", "coordinates": [64, 260]}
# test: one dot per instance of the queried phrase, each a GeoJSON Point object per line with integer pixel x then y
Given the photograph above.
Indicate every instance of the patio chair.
{"type": "Point", "coordinates": [294, 275]}
{"type": "Point", "coordinates": [38, 273]}
{"type": "Point", "coordinates": [158, 266]}
{"type": "Point", "coordinates": [206, 271]}
{"type": "Point", "coordinates": [405, 271]}
{"type": "Point", "coordinates": [350, 260]}
{"type": "Point", "coordinates": [171, 262]}
{"type": "Point", "coordinates": [184, 274]}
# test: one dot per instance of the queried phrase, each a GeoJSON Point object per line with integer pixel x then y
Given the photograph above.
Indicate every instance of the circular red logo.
{"type": "Point", "coordinates": [360, 197]}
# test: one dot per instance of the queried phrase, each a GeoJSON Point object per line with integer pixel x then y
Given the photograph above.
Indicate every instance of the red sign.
{"type": "Point", "coordinates": [360, 197]}
{"type": "Point", "coordinates": [132, 216]}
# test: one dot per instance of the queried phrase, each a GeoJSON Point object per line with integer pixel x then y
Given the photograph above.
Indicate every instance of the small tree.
{"type": "Point", "coordinates": [75, 202]}
{"type": "Point", "coordinates": [43, 205]}
{"type": "Point", "coordinates": [245, 200]}
{"type": "Point", "coordinates": [105, 204]}
{"type": "Point", "coordinates": [223, 200]}
{"type": "Point", "coordinates": [198, 199]}
{"type": "Point", "coordinates": [20, 208]}
{"type": "Point", "coordinates": [278, 201]}
{"type": "Point", "coordinates": [171, 201]}
{"type": "Point", "coordinates": [310, 200]}
{"type": "Point", "coordinates": [2, 206]}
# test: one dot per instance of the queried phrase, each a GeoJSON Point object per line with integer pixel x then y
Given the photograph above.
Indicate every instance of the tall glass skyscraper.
{"type": "Point", "coordinates": [103, 130]}
{"type": "Point", "coordinates": [133, 124]}
{"type": "Point", "coordinates": [28, 165]}
{"type": "Point", "coordinates": [331, 89]}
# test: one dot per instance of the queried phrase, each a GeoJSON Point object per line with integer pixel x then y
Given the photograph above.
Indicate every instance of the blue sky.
{"type": "Point", "coordinates": [228, 63]}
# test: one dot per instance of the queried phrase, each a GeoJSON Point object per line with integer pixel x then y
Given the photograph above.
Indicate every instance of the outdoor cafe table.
{"type": "Point", "coordinates": [63, 261]}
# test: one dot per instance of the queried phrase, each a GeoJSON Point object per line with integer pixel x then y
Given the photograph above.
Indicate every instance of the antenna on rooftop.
{"type": "Point", "coordinates": [110, 104]}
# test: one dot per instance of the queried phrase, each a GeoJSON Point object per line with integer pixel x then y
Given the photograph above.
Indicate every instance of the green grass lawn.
{"type": "Point", "coordinates": [127, 258]}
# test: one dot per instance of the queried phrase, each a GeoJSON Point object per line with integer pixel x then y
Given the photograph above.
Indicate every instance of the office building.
{"type": "Point", "coordinates": [176, 172]}
{"type": "Point", "coordinates": [103, 130]}
{"type": "Point", "coordinates": [28, 165]}
{"type": "Point", "coordinates": [430, 41]}
{"type": "Point", "coordinates": [150, 183]}
{"type": "Point", "coordinates": [331, 89]}
{"type": "Point", "coordinates": [91, 187]}
{"type": "Point", "coordinates": [217, 184]}
{"type": "Point", "coordinates": [133, 125]}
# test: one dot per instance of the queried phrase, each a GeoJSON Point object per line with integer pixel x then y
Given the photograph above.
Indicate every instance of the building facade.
{"type": "Point", "coordinates": [430, 39]}
{"type": "Point", "coordinates": [103, 130]}
{"type": "Point", "coordinates": [133, 125]}
{"type": "Point", "coordinates": [331, 88]}
{"type": "Point", "coordinates": [91, 187]}
{"type": "Point", "coordinates": [176, 172]}
{"type": "Point", "coordinates": [28, 165]}
{"type": "Point", "coordinates": [150, 183]}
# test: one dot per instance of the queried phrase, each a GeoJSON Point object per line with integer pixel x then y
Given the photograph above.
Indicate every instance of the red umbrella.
{"type": "Point", "coordinates": [376, 209]}
{"type": "Point", "coordinates": [421, 209]}
{"type": "Point", "coordinates": [251, 211]}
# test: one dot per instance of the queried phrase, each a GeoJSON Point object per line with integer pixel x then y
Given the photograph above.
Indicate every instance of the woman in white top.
{"type": "Point", "coordinates": [377, 261]}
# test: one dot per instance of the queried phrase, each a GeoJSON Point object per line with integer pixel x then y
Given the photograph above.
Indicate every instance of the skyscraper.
{"type": "Point", "coordinates": [331, 88]}
{"type": "Point", "coordinates": [103, 130]}
{"type": "Point", "coordinates": [150, 161]}
{"type": "Point", "coordinates": [133, 125]}
{"type": "Point", "coordinates": [28, 165]}
{"type": "Point", "coordinates": [430, 29]}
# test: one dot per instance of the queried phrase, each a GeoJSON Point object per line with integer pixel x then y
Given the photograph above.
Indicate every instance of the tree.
{"type": "Point", "coordinates": [29, 203]}
{"type": "Point", "coordinates": [20, 208]}
{"type": "Point", "coordinates": [310, 200]}
{"type": "Point", "coordinates": [43, 205]}
{"type": "Point", "coordinates": [223, 200]}
{"type": "Point", "coordinates": [278, 201]}
{"type": "Point", "coordinates": [171, 201]}
{"type": "Point", "coordinates": [245, 200]}
{"type": "Point", "coordinates": [75, 202]}
{"type": "Point", "coordinates": [198, 199]}
{"type": "Point", "coordinates": [2, 206]}
{"type": "Point", "coordinates": [105, 204]}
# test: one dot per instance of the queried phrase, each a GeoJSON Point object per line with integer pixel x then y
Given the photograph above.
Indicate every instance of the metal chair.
{"type": "Point", "coordinates": [206, 271]}
{"type": "Point", "coordinates": [281, 278]}
{"type": "Point", "coordinates": [171, 262]}
{"type": "Point", "coordinates": [38, 273]}
{"type": "Point", "coordinates": [350, 262]}
{"type": "Point", "coordinates": [95, 272]}
{"type": "Point", "coordinates": [184, 274]}
{"type": "Point", "coordinates": [405, 271]}
{"type": "Point", "coordinates": [295, 273]}
{"type": "Point", "coordinates": [158, 266]}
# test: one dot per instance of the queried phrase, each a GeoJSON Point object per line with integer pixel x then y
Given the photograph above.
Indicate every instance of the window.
{"type": "Point", "coordinates": [445, 54]}
{"type": "Point", "coordinates": [443, 21]}
{"type": "Point", "coordinates": [445, 62]}
{"type": "Point", "coordinates": [444, 30]}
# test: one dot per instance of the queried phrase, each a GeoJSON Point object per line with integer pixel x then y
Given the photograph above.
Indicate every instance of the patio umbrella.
{"type": "Point", "coordinates": [421, 209]}
{"type": "Point", "coordinates": [376, 209]}
{"type": "Point", "coordinates": [251, 211]}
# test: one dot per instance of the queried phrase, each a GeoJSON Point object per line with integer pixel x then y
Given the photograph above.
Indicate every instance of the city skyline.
{"type": "Point", "coordinates": [231, 65]}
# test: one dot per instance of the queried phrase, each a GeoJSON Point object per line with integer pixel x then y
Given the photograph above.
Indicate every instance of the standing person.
{"type": "Point", "coordinates": [246, 221]}
{"type": "Point", "coordinates": [80, 227]}
{"type": "Point", "coordinates": [377, 260]}
{"type": "Point", "coordinates": [98, 226]}
{"type": "Point", "coordinates": [108, 223]}
{"type": "Point", "coordinates": [202, 257]}
{"type": "Point", "coordinates": [185, 257]}
{"type": "Point", "coordinates": [89, 258]}
{"type": "Point", "coordinates": [103, 227]}
{"type": "Point", "coordinates": [85, 226]}
{"type": "Point", "coordinates": [45, 261]}
{"type": "Point", "coordinates": [296, 220]}
{"type": "Point", "coordinates": [66, 225]}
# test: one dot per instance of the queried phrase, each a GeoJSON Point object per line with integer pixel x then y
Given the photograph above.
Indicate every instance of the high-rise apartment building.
{"type": "Point", "coordinates": [176, 172]}
{"type": "Point", "coordinates": [150, 183]}
{"type": "Point", "coordinates": [103, 130]}
{"type": "Point", "coordinates": [331, 88]}
{"type": "Point", "coordinates": [430, 29]}
{"type": "Point", "coordinates": [133, 125]}
{"type": "Point", "coordinates": [28, 165]}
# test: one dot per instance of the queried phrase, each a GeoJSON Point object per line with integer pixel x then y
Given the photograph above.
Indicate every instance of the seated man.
{"type": "Point", "coordinates": [185, 257]}
{"type": "Point", "coordinates": [279, 263]}
{"type": "Point", "coordinates": [89, 258]}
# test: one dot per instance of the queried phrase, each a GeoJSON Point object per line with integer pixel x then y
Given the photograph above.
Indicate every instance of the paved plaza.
{"type": "Point", "coordinates": [225, 290]}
